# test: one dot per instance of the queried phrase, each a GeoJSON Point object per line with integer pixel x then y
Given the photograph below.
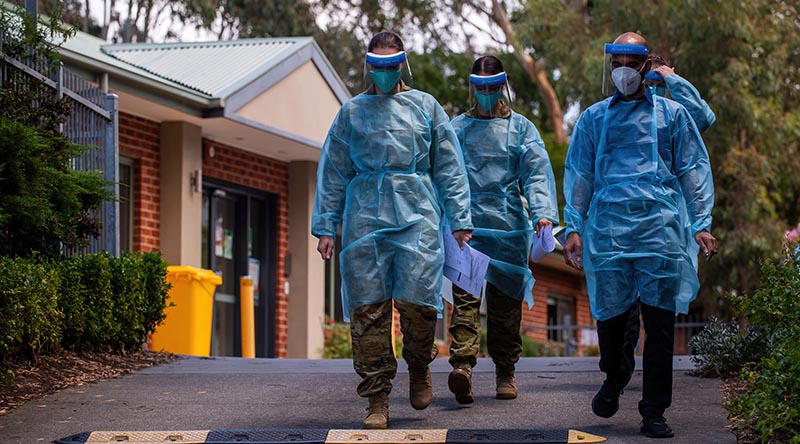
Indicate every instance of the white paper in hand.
{"type": "Point", "coordinates": [543, 244]}
{"type": "Point", "coordinates": [466, 268]}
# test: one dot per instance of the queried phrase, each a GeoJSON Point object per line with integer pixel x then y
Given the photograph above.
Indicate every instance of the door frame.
{"type": "Point", "coordinates": [268, 274]}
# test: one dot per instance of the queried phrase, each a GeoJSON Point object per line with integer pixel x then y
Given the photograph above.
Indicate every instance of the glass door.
{"type": "Point", "coordinates": [238, 240]}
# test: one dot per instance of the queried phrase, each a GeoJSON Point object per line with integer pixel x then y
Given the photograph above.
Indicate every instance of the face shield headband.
{"type": "Point", "coordinates": [385, 61]}
{"type": "Point", "coordinates": [378, 68]}
{"type": "Point", "coordinates": [653, 77]}
{"type": "Point", "coordinates": [493, 80]}
{"type": "Point", "coordinates": [487, 99]}
{"type": "Point", "coordinates": [617, 49]}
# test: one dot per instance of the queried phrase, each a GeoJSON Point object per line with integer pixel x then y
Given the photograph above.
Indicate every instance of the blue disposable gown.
{"type": "Point", "coordinates": [687, 95]}
{"type": "Point", "coordinates": [389, 167]}
{"type": "Point", "coordinates": [638, 186]}
{"type": "Point", "coordinates": [500, 154]}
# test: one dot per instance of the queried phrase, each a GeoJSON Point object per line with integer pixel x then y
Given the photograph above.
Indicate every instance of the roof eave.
{"type": "Point", "coordinates": [137, 80]}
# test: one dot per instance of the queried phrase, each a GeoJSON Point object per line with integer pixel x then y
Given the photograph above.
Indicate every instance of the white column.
{"type": "Point", "coordinates": [181, 205]}
{"type": "Point", "coordinates": [307, 270]}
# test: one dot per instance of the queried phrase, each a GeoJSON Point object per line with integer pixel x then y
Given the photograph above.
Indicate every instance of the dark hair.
{"type": "Point", "coordinates": [386, 39]}
{"type": "Point", "coordinates": [656, 61]}
{"type": "Point", "coordinates": [488, 64]}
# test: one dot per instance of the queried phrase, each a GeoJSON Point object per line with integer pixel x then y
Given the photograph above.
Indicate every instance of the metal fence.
{"type": "Point", "coordinates": [579, 340]}
{"type": "Point", "coordinates": [93, 121]}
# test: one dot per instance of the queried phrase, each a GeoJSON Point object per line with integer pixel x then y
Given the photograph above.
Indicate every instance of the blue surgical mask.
{"type": "Point", "coordinates": [385, 80]}
{"type": "Point", "coordinates": [658, 91]}
{"type": "Point", "coordinates": [487, 100]}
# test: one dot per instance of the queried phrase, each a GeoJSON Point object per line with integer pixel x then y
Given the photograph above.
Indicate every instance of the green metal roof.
{"type": "Point", "coordinates": [215, 69]}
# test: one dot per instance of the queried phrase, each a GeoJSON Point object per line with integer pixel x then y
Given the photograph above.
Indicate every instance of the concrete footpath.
{"type": "Point", "coordinates": [234, 393]}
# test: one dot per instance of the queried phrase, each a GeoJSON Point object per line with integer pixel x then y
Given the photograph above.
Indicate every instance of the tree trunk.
{"type": "Point", "coordinates": [537, 76]}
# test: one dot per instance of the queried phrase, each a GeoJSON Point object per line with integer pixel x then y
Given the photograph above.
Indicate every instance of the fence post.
{"type": "Point", "coordinates": [567, 335]}
{"type": "Point", "coordinates": [60, 90]}
{"type": "Point", "coordinates": [2, 60]}
{"type": "Point", "coordinates": [111, 175]}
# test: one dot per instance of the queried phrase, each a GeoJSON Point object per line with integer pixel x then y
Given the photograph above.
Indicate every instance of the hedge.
{"type": "Point", "coordinates": [83, 303]}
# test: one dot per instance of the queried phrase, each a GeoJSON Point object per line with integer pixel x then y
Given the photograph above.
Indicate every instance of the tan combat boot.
{"type": "Point", "coordinates": [420, 389]}
{"type": "Point", "coordinates": [460, 383]}
{"type": "Point", "coordinates": [377, 412]}
{"type": "Point", "coordinates": [506, 384]}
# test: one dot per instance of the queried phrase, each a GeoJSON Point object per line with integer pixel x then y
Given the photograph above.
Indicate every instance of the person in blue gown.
{"type": "Point", "coordinates": [506, 159]}
{"type": "Point", "coordinates": [390, 169]}
{"type": "Point", "coordinates": [639, 195]}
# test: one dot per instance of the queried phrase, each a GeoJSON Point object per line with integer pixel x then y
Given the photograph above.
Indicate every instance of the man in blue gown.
{"type": "Point", "coordinates": [639, 195]}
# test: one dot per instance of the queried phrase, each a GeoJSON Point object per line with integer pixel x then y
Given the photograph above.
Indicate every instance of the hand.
{"type": "Point", "coordinates": [540, 226]}
{"type": "Point", "coordinates": [574, 247]}
{"type": "Point", "coordinates": [462, 236]}
{"type": "Point", "coordinates": [325, 247]}
{"type": "Point", "coordinates": [664, 70]}
{"type": "Point", "coordinates": [707, 243]}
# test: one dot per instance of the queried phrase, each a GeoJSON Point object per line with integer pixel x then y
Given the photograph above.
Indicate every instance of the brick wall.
{"type": "Point", "coordinates": [551, 280]}
{"type": "Point", "coordinates": [139, 139]}
{"type": "Point", "coordinates": [270, 175]}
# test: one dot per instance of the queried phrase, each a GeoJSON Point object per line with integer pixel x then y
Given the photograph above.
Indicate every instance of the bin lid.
{"type": "Point", "coordinates": [185, 271]}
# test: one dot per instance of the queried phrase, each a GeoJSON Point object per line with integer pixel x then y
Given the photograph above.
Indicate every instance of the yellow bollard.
{"type": "Point", "coordinates": [247, 317]}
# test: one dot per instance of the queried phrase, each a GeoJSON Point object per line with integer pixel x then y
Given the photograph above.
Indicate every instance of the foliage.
{"type": "Point", "coordinates": [337, 341]}
{"type": "Point", "coordinates": [30, 318]}
{"type": "Point", "coordinates": [775, 306]}
{"type": "Point", "coordinates": [742, 57]}
{"type": "Point", "coordinates": [531, 348]}
{"type": "Point", "coordinates": [99, 290]}
{"type": "Point", "coordinates": [767, 351]}
{"type": "Point", "coordinates": [89, 302]}
{"type": "Point", "coordinates": [722, 348]}
{"type": "Point", "coordinates": [45, 206]}
{"type": "Point", "coordinates": [770, 404]}
{"type": "Point", "coordinates": [591, 350]}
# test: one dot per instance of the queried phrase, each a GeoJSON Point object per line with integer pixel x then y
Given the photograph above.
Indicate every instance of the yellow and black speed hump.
{"type": "Point", "coordinates": [321, 436]}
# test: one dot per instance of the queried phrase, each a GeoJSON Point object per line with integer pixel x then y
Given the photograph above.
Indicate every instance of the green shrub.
{"type": "Point", "coordinates": [81, 303]}
{"type": "Point", "coordinates": [591, 350]}
{"type": "Point", "coordinates": [30, 319]}
{"type": "Point", "coordinates": [531, 348]}
{"type": "Point", "coordinates": [722, 348]}
{"type": "Point", "coordinates": [337, 341]}
{"type": "Point", "coordinates": [770, 405]}
{"type": "Point", "coordinates": [767, 351]}
{"type": "Point", "coordinates": [156, 288]}
{"type": "Point", "coordinates": [110, 302]}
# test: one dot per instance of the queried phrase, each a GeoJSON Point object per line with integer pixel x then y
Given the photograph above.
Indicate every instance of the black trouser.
{"type": "Point", "coordinates": [616, 355]}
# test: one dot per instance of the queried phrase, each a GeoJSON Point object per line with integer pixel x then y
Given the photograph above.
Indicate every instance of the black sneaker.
{"type": "Point", "coordinates": [606, 402]}
{"type": "Point", "coordinates": [655, 426]}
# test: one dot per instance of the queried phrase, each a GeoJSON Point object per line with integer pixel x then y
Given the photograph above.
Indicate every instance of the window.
{"type": "Point", "coordinates": [125, 204]}
{"type": "Point", "coordinates": [560, 317]}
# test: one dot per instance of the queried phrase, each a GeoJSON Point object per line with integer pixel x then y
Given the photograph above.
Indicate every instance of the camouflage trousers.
{"type": "Point", "coordinates": [503, 318]}
{"type": "Point", "coordinates": [371, 336]}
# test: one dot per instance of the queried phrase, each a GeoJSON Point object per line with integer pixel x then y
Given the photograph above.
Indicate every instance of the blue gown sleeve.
{"type": "Point", "coordinates": [334, 173]}
{"type": "Point", "coordinates": [687, 95]}
{"type": "Point", "coordinates": [579, 176]}
{"type": "Point", "coordinates": [448, 171]}
{"type": "Point", "coordinates": [536, 174]}
{"type": "Point", "coordinates": [693, 170]}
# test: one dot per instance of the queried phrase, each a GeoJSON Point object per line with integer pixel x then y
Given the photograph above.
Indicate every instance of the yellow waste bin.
{"type": "Point", "coordinates": [187, 327]}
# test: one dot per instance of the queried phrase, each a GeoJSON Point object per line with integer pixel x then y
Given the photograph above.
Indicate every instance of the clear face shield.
{"type": "Point", "coordinates": [617, 76]}
{"type": "Point", "coordinates": [486, 91]}
{"type": "Point", "coordinates": [385, 70]}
